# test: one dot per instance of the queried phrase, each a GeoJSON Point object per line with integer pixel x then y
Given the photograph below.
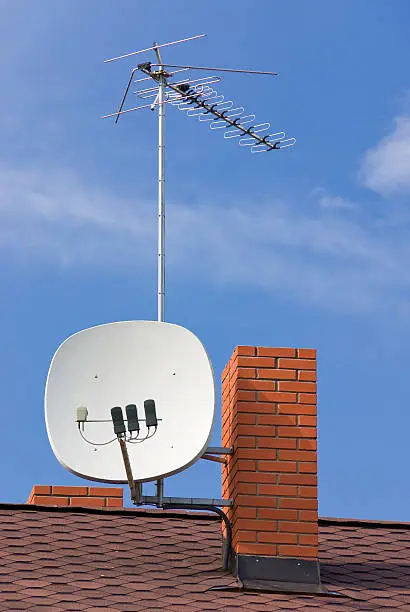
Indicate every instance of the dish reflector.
{"type": "Point", "coordinates": [153, 365]}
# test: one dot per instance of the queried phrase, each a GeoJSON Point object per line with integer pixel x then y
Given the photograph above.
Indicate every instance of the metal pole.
{"type": "Point", "coordinates": [128, 470]}
{"type": "Point", "coordinates": [161, 196]}
{"type": "Point", "coordinates": [161, 208]}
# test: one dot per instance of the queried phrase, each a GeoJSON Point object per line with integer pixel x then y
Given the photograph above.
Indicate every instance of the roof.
{"type": "Point", "coordinates": [63, 559]}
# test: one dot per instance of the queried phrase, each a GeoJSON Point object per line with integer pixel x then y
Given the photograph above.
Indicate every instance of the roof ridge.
{"type": "Point", "coordinates": [174, 513]}
{"type": "Point", "coordinates": [369, 523]}
{"type": "Point", "coordinates": [195, 514]}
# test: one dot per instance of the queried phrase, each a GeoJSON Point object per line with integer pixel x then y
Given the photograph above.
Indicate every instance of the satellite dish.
{"type": "Point", "coordinates": [158, 374]}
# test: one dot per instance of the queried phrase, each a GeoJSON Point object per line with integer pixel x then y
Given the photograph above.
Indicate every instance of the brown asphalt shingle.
{"type": "Point", "coordinates": [98, 561]}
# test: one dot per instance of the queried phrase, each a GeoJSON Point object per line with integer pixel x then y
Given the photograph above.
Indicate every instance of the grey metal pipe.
{"type": "Point", "coordinates": [226, 555]}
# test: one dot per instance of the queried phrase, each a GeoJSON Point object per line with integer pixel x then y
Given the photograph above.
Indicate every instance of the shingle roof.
{"type": "Point", "coordinates": [60, 559]}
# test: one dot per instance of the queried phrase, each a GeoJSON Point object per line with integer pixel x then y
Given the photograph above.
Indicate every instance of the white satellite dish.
{"type": "Point", "coordinates": [122, 364]}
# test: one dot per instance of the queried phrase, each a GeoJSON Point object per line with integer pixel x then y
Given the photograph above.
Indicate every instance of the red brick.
{"type": "Point", "coordinates": [310, 421]}
{"type": "Point", "coordinates": [256, 408]}
{"type": "Point", "coordinates": [246, 418]}
{"type": "Point", "coordinates": [275, 514]}
{"type": "Point", "coordinates": [309, 540]}
{"type": "Point", "coordinates": [89, 502]}
{"type": "Point", "coordinates": [307, 398]}
{"type": "Point", "coordinates": [297, 409]}
{"type": "Point", "coordinates": [307, 375]}
{"type": "Point", "coordinates": [297, 364]}
{"type": "Point", "coordinates": [246, 488]}
{"type": "Point", "coordinates": [247, 513]}
{"type": "Point", "coordinates": [288, 443]}
{"type": "Point", "coordinates": [278, 490]}
{"type": "Point", "coordinates": [41, 490]}
{"type": "Point", "coordinates": [308, 467]}
{"type": "Point", "coordinates": [260, 477]}
{"type": "Point", "coordinates": [256, 362]}
{"type": "Point", "coordinates": [245, 464]}
{"type": "Point", "coordinates": [273, 419]}
{"type": "Point", "coordinates": [60, 490]}
{"type": "Point", "coordinates": [276, 396]}
{"type": "Point", "coordinates": [106, 491]}
{"type": "Point", "coordinates": [266, 351]}
{"type": "Point", "coordinates": [297, 432]}
{"type": "Point", "coordinates": [305, 552]}
{"type": "Point", "coordinates": [277, 374]}
{"type": "Point", "coordinates": [298, 387]}
{"type": "Point", "coordinates": [258, 385]}
{"type": "Point", "coordinates": [244, 396]}
{"type": "Point", "coordinates": [114, 502]}
{"type": "Point", "coordinates": [297, 455]}
{"type": "Point", "coordinates": [297, 527]}
{"type": "Point", "coordinates": [307, 353]}
{"type": "Point", "coordinates": [298, 479]}
{"type": "Point", "coordinates": [259, 501]}
{"type": "Point", "coordinates": [50, 500]}
{"type": "Point", "coordinates": [226, 439]}
{"type": "Point", "coordinates": [308, 492]}
{"type": "Point", "coordinates": [307, 515]}
{"type": "Point", "coordinates": [307, 445]}
{"type": "Point", "coordinates": [246, 536]}
{"type": "Point", "coordinates": [246, 373]}
{"type": "Point", "coordinates": [246, 441]}
{"type": "Point", "coordinates": [277, 538]}
{"type": "Point", "coordinates": [268, 550]}
{"type": "Point", "coordinates": [256, 525]}
{"type": "Point", "coordinates": [256, 453]}
{"type": "Point", "coordinates": [256, 430]}
{"type": "Point", "coordinates": [244, 350]}
{"type": "Point", "coordinates": [225, 373]}
{"type": "Point", "coordinates": [277, 466]}
{"type": "Point", "coordinates": [298, 503]}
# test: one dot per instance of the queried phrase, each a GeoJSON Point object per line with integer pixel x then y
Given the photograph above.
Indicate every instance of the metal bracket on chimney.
{"type": "Point", "coordinates": [153, 500]}
{"type": "Point", "coordinates": [213, 453]}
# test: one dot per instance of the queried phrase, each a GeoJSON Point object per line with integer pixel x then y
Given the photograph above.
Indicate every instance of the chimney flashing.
{"type": "Point", "coordinates": [278, 574]}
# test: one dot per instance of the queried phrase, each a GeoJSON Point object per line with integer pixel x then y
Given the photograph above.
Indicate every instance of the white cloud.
{"type": "Point", "coordinates": [325, 200]}
{"type": "Point", "coordinates": [51, 214]}
{"type": "Point", "coordinates": [386, 167]}
{"type": "Point", "coordinates": [322, 257]}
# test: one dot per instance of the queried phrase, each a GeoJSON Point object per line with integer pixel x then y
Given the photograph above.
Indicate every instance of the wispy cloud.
{"type": "Point", "coordinates": [51, 214]}
{"type": "Point", "coordinates": [326, 200]}
{"type": "Point", "coordinates": [315, 255]}
{"type": "Point", "coordinates": [386, 167]}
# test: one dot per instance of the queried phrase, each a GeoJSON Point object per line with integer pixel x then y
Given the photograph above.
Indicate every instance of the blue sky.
{"type": "Point", "coordinates": [306, 247]}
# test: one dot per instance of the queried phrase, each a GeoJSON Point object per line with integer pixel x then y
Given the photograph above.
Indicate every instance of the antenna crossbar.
{"type": "Point", "coordinates": [175, 42]}
{"type": "Point", "coordinates": [217, 69]}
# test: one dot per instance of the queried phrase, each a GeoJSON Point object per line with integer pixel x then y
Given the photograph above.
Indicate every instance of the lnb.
{"type": "Point", "coordinates": [133, 422]}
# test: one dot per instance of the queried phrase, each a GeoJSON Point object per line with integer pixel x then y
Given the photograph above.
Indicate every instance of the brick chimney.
{"type": "Point", "coordinates": [269, 418]}
{"type": "Point", "coordinates": [90, 497]}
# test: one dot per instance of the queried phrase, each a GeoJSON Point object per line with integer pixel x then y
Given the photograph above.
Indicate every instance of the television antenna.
{"type": "Point", "coordinates": [198, 98]}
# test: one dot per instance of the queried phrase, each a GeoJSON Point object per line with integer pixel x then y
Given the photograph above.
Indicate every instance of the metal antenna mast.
{"type": "Point", "coordinates": [162, 83]}
{"type": "Point", "coordinates": [198, 98]}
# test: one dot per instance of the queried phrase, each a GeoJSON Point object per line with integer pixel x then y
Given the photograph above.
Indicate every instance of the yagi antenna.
{"type": "Point", "coordinates": [197, 98]}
